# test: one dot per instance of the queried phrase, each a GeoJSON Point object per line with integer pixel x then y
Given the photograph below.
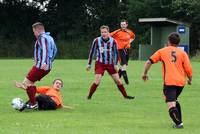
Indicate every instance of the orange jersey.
{"type": "Point", "coordinates": [123, 38]}
{"type": "Point", "coordinates": [53, 93]}
{"type": "Point", "coordinates": [175, 65]}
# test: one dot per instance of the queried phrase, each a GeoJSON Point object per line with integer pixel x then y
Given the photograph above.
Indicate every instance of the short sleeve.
{"type": "Point", "coordinates": [155, 57]}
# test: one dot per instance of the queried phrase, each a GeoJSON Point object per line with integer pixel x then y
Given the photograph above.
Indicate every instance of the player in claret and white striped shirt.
{"type": "Point", "coordinates": [44, 53]}
{"type": "Point", "coordinates": [105, 49]}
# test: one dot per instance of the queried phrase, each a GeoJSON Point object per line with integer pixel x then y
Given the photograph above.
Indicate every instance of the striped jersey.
{"type": "Point", "coordinates": [45, 50]}
{"type": "Point", "coordinates": [105, 51]}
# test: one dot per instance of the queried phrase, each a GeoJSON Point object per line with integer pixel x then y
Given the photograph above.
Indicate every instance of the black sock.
{"type": "Point", "coordinates": [125, 76]}
{"type": "Point", "coordinates": [174, 114]}
{"type": "Point", "coordinates": [120, 73]}
{"type": "Point", "coordinates": [178, 106]}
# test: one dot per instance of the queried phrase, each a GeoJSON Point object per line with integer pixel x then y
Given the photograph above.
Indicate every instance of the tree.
{"type": "Point", "coordinates": [188, 11]}
{"type": "Point", "coordinates": [15, 27]}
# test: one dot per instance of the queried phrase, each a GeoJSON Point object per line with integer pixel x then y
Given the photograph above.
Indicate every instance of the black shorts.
{"type": "Point", "coordinates": [171, 93]}
{"type": "Point", "coordinates": [124, 56]}
{"type": "Point", "coordinates": [45, 102]}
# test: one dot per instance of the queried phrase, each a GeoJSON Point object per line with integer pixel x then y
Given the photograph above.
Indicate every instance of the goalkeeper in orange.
{"type": "Point", "coordinates": [124, 37]}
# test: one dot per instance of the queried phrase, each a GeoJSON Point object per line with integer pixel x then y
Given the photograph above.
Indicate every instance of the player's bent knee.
{"type": "Point", "coordinates": [27, 82]}
{"type": "Point", "coordinates": [97, 82]}
{"type": "Point", "coordinates": [123, 67]}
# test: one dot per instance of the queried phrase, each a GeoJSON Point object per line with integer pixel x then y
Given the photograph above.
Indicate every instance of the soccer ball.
{"type": "Point", "coordinates": [17, 103]}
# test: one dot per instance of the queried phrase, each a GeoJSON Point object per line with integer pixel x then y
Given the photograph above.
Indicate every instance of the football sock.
{"type": "Point", "coordinates": [122, 90]}
{"type": "Point", "coordinates": [92, 90]}
{"type": "Point", "coordinates": [31, 91]}
{"type": "Point", "coordinates": [174, 114]}
{"type": "Point", "coordinates": [178, 106]}
{"type": "Point", "coordinates": [127, 58]}
{"type": "Point", "coordinates": [120, 73]}
{"type": "Point", "coordinates": [125, 76]}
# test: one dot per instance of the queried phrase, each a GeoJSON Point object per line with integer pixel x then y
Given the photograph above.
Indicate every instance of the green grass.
{"type": "Point", "coordinates": [107, 112]}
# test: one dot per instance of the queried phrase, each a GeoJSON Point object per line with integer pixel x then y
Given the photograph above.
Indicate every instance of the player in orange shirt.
{"type": "Point", "coordinates": [124, 37]}
{"type": "Point", "coordinates": [49, 98]}
{"type": "Point", "coordinates": [175, 68]}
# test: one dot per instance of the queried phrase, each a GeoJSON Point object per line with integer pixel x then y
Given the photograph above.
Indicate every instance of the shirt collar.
{"type": "Point", "coordinates": [47, 33]}
{"type": "Point", "coordinates": [105, 40]}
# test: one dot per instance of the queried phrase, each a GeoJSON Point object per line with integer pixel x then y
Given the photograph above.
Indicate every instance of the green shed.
{"type": "Point", "coordinates": [160, 29]}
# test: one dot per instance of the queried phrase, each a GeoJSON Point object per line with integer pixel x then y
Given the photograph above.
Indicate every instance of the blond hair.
{"type": "Point", "coordinates": [38, 25]}
{"type": "Point", "coordinates": [104, 27]}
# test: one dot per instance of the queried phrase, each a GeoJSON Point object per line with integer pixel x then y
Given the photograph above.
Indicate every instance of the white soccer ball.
{"type": "Point", "coordinates": [17, 103]}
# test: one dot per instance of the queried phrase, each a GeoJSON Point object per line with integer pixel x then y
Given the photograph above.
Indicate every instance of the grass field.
{"type": "Point", "coordinates": [107, 112]}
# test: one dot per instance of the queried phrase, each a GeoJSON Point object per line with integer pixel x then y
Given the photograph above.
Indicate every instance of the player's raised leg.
{"type": "Point", "coordinates": [30, 90]}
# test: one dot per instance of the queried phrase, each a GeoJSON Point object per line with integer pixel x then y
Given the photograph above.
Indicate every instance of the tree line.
{"type": "Point", "coordinates": [74, 23]}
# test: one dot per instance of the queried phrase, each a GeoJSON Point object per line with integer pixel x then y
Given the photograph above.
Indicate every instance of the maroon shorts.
{"type": "Point", "coordinates": [100, 68]}
{"type": "Point", "coordinates": [36, 74]}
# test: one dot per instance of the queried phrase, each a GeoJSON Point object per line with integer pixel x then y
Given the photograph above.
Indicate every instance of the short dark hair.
{"type": "Point", "coordinates": [174, 38]}
{"type": "Point", "coordinates": [123, 20]}
{"type": "Point", "coordinates": [58, 80]}
{"type": "Point", "coordinates": [104, 26]}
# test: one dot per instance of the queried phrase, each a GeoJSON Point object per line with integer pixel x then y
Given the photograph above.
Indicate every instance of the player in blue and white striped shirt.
{"type": "Point", "coordinates": [44, 53]}
{"type": "Point", "coordinates": [105, 49]}
{"type": "Point", "coordinates": [106, 52]}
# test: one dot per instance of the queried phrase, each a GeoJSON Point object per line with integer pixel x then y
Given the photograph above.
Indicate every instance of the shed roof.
{"type": "Point", "coordinates": [162, 20]}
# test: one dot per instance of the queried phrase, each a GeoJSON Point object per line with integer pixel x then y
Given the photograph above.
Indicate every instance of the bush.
{"type": "Point", "coordinates": [75, 49]}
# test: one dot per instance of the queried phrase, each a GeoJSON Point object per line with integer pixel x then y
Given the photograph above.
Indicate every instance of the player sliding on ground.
{"type": "Point", "coordinates": [176, 67]}
{"type": "Point", "coordinates": [44, 54]}
{"type": "Point", "coordinates": [105, 49]}
{"type": "Point", "coordinates": [49, 97]}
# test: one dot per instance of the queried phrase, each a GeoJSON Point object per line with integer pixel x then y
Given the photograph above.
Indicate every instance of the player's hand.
{"type": "Point", "coordinates": [145, 77]}
{"type": "Point", "coordinates": [88, 67]}
{"type": "Point", "coordinates": [189, 82]}
{"type": "Point", "coordinates": [44, 66]}
{"type": "Point", "coordinates": [68, 107]}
